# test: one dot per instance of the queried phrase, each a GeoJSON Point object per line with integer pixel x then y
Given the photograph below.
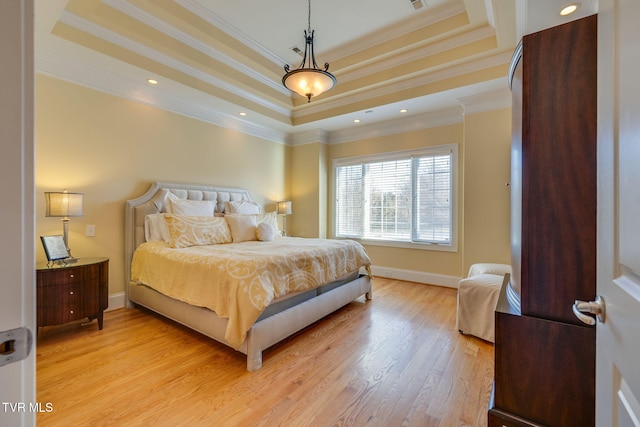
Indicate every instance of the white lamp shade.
{"type": "Point", "coordinates": [63, 204]}
{"type": "Point", "coordinates": [309, 82]}
{"type": "Point", "coordinates": [283, 208]}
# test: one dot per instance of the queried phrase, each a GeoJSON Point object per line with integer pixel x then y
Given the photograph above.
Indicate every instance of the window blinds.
{"type": "Point", "coordinates": [403, 198]}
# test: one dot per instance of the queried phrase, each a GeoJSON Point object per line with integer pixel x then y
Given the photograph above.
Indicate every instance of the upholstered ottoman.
{"type": "Point", "coordinates": [477, 299]}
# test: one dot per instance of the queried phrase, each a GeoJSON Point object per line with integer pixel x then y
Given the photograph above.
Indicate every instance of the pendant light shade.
{"type": "Point", "coordinates": [308, 80]}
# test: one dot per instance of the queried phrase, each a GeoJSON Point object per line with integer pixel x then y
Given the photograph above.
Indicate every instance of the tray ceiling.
{"type": "Point", "coordinates": [215, 59]}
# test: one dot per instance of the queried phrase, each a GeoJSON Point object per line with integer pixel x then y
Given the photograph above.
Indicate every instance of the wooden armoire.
{"type": "Point", "coordinates": [544, 355]}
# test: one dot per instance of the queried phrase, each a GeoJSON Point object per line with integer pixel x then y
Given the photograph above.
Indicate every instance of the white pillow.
{"type": "Point", "coordinates": [188, 231]}
{"type": "Point", "coordinates": [243, 227]}
{"type": "Point", "coordinates": [156, 229]}
{"type": "Point", "coordinates": [265, 232]}
{"type": "Point", "coordinates": [241, 207]}
{"type": "Point", "coordinates": [178, 206]}
{"type": "Point", "coordinates": [270, 218]}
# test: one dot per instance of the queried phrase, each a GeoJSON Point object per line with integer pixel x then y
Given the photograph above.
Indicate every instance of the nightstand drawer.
{"type": "Point", "coordinates": [59, 277]}
{"type": "Point", "coordinates": [64, 303]}
{"type": "Point", "coordinates": [56, 295]}
{"type": "Point", "coordinates": [60, 313]}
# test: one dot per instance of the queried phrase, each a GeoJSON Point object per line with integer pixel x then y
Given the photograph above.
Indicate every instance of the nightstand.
{"type": "Point", "coordinates": [72, 291]}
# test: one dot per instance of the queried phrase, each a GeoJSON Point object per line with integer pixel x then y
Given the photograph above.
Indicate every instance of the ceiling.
{"type": "Point", "coordinates": [216, 59]}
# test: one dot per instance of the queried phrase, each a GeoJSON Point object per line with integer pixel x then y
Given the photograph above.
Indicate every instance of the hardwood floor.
{"type": "Point", "coordinates": [394, 361]}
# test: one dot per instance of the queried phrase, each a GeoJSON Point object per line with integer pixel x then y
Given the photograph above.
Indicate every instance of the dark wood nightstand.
{"type": "Point", "coordinates": [72, 291]}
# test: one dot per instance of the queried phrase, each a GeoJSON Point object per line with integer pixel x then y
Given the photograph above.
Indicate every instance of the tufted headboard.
{"type": "Point", "coordinates": [153, 202]}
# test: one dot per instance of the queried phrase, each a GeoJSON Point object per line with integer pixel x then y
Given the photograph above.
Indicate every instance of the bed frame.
{"type": "Point", "coordinates": [265, 332]}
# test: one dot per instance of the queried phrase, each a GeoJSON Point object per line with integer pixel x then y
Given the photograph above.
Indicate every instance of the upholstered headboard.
{"type": "Point", "coordinates": [153, 202]}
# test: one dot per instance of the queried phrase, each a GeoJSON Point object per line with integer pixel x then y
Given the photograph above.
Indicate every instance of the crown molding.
{"type": "Point", "coordinates": [118, 40]}
{"type": "Point", "coordinates": [308, 137]}
{"type": "Point", "coordinates": [171, 31]}
{"type": "Point", "coordinates": [205, 107]}
{"type": "Point", "coordinates": [488, 101]}
{"type": "Point", "coordinates": [395, 60]}
{"type": "Point", "coordinates": [491, 16]}
{"type": "Point", "coordinates": [117, 85]}
{"type": "Point", "coordinates": [197, 106]}
{"type": "Point", "coordinates": [405, 124]}
{"type": "Point", "coordinates": [419, 20]}
{"type": "Point", "coordinates": [344, 100]}
{"type": "Point", "coordinates": [213, 19]}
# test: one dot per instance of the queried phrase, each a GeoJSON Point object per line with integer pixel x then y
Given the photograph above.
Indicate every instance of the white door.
{"type": "Point", "coordinates": [17, 283]}
{"type": "Point", "coordinates": [618, 277]}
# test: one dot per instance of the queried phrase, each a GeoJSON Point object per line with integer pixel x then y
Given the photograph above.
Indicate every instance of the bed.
{"type": "Point", "coordinates": [274, 286]}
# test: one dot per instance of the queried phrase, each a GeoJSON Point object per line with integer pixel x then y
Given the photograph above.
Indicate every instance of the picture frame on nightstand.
{"type": "Point", "coordinates": [54, 247]}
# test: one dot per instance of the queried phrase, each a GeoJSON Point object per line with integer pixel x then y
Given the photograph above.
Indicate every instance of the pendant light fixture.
{"type": "Point", "coordinates": [308, 80]}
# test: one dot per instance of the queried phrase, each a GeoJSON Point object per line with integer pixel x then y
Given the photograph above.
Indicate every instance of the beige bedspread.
{"type": "Point", "coordinates": [238, 280]}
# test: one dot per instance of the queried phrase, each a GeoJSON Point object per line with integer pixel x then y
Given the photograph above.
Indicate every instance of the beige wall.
{"type": "Point", "coordinates": [112, 149]}
{"type": "Point", "coordinates": [308, 190]}
{"type": "Point", "coordinates": [487, 141]}
{"type": "Point", "coordinates": [483, 198]}
{"type": "Point", "coordinates": [418, 260]}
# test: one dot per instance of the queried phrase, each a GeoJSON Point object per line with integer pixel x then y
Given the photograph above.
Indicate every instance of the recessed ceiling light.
{"type": "Point", "coordinates": [568, 10]}
{"type": "Point", "coordinates": [404, 110]}
{"type": "Point", "coordinates": [356, 121]}
{"type": "Point", "coordinates": [242, 113]}
{"type": "Point", "coordinates": [152, 81]}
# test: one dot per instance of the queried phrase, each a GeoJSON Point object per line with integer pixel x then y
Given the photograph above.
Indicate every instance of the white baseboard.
{"type": "Point", "coordinates": [416, 276]}
{"type": "Point", "coordinates": [116, 301]}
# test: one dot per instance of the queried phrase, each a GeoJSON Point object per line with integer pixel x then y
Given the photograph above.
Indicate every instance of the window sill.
{"type": "Point", "coordinates": [408, 245]}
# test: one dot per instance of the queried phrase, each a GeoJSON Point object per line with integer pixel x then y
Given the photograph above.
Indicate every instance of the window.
{"type": "Point", "coordinates": [398, 198]}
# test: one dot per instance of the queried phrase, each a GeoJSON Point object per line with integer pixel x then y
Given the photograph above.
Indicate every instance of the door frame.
{"type": "Point", "coordinates": [17, 217]}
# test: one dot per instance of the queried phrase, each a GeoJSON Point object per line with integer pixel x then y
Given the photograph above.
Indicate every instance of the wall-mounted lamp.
{"type": "Point", "coordinates": [284, 208]}
{"type": "Point", "coordinates": [64, 204]}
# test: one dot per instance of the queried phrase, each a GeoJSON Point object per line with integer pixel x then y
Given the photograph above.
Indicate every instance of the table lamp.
{"type": "Point", "coordinates": [284, 208]}
{"type": "Point", "coordinates": [64, 204]}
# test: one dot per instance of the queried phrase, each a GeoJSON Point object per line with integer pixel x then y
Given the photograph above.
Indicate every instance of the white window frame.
{"type": "Point", "coordinates": [397, 155]}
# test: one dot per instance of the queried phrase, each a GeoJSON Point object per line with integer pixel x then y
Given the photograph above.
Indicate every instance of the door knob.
{"type": "Point", "coordinates": [593, 307]}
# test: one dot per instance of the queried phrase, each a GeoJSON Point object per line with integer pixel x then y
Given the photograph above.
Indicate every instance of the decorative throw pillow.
{"type": "Point", "coordinates": [243, 227]}
{"type": "Point", "coordinates": [242, 207]}
{"type": "Point", "coordinates": [188, 231]}
{"type": "Point", "coordinates": [265, 232]}
{"type": "Point", "coordinates": [178, 206]}
{"type": "Point", "coordinates": [269, 218]}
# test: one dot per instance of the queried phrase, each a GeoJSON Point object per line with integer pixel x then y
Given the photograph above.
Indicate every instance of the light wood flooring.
{"type": "Point", "coordinates": [394, 361]}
